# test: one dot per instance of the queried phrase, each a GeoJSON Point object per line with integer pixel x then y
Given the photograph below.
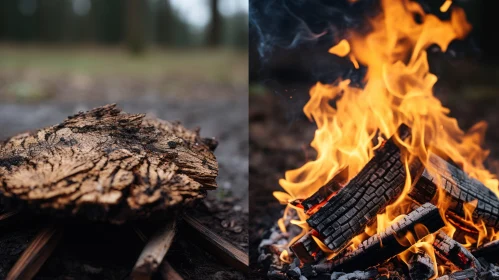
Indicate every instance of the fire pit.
{"type": "Point", "coordinates": [397, 190]}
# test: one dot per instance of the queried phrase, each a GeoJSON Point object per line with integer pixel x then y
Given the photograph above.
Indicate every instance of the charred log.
{"type": "Point", "coordinates": [460, 188]}
{"type": "Point", "coordinates": [489, 251]}
{"type": "Point", "coordinates": [306, 249]}
{"type": "Point", "coordinates": [377, 185]}
{"type": "Point", "coordinates": [359, 275]}
{"type": "Point", "coordinates": [466, 274]}
{"type": "Point", "coordinates": [389, 243]}
{"type": "Point", "coordinates": [421, 267]}
{"type": "Point", "coordinates": [454, 253]}
{"type": "Point", "coordinates": [107, 165]}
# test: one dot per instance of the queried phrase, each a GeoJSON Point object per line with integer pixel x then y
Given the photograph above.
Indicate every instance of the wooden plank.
{"type": "Point", "coordinates": [35, 255]}
{"type": "Point", "coordinates": [215, 244]}
{"type": "Point", "coordinates": [154, 251]}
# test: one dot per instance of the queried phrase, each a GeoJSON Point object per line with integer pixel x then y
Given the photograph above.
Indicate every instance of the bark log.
{"type": "Point", "coordinates": [454, 253]}
{"type": "Point", "coordinates": [460, 188]}
{"type": "Point", "coordinates": [377, 185]}
{"type": "Point", "coordinates": [389, 243]}
{"type": "Point", "coordinates": [107, 165]}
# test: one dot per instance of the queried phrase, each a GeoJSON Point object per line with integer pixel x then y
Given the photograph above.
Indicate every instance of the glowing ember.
{"type": "Point", "coordinates": [398, 90]}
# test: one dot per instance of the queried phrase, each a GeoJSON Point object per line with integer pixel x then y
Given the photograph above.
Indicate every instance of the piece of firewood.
{"type": "Point", "coordinates": [321, 195]}
{"type": "Point", "coordinates": [154, 251]}
{"type": "Point", "coordinates": [387, 244]}
{"type": "Point", "coordinates": [460, 188]}
{"type": "Point", "coordinates": [107, 165]}
{"type": "Point", "coordinates": [466, 274]}
{"type": "Point", "coordinates": [421, 266]}
{"type": "Point", "coordinates": [35, 255]}
{"type": "Point", "coordinates": [376, 186]}
{"type": "Point", "coordinates": [489, 251]}
{"type": "Point", "coordinates": [217, 245]}
{"type": "Point", "coordinates": [167, 272]}
{"type": "Point", "coordinates": [306, 249]}
{"type": "Point", "coordinates": [454, 253]}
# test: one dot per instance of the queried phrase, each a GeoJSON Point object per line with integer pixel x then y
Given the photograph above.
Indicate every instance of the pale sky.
{"type": "Point", "coordinates": [197, 12]}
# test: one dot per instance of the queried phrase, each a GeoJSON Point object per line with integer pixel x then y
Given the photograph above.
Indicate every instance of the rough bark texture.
{"type": "Point", "coordinates": [387, 244]}
{"type": "Point", "coordinates": [453, 252]}
{"type": "Point", "coordinates": [377, 185]}
{"type": "Point", "coordinates": [107, 165]}
{"type": "Point", "coordinates": [460, 188]}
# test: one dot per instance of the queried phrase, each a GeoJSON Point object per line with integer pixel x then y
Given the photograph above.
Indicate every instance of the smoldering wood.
{"type": "Point", "coordinates": [306, 249]}
{"type": "Point", "coordinates": [489, 251]}
{"type": "Point", "coordinates": [154, 251]}
{"type": "Point", "coordinates": [35, 255]}
{"type": "Point", "coordinates": [215, 244]}
{"type": "Point", "coordinates": [107, 165]}
{"type": "Point", "coordinates": [325, 191]}
{"type": "Point", "coordinates": [389, 243]}
{"type": "Point", "coordinates": [376, 186]}
{"type": "Point", "coordinates": [459, 188]}
{"type": "Point", "coordinates": [465, 274]}
{"type": "Point", "coordinates": [421, 266]}
{"type": "Point", "coordinates": [454, 253]}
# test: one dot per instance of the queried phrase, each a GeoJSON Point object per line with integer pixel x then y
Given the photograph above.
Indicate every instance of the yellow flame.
{"type": "Point", "coordinates": [445, 6]}
{"type": "Point", "coordinates": [398, 89]}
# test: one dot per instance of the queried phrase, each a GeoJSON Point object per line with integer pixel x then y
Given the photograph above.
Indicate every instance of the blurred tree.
{"type": "Point", "coordinates": [135, 25]}
{"type": "Point", "coordinates": [215, 25]}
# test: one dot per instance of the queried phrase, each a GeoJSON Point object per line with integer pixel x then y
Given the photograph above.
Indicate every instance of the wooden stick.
{"type": "Point", "coordinates": [453, 252]}
{"type": "Point", "coordinates": [168, 273]}
{"type": "Point", "coordinates": [38, 251]}
{"type": "Point", "coordinates": [217, 245]}
{"type": "Point", "coordinates": [154, 251]}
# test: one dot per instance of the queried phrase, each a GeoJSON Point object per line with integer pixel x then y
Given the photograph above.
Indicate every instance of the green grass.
{"type": "Point", "coordinates": [196, 65]}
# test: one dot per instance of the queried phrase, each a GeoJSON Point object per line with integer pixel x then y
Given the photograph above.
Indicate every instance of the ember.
{"type": "Point", "coordinates": [397, 188]}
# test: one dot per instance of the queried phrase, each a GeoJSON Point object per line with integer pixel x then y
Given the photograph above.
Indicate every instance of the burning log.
{"type": "Point", "coordinates": [466, 274]}
{"type": "Point", "coordinates": [35, 255]}
{"type": "Point", "coordinates": [377, 185]}
{"type": "Point", "coordinates": [306, 249]}
{"type": "Point", "coordinates": [489, 251]}
{"type": "Point", "coordinates": [421, 267]}
{"type": "Point", "coordinates": [154, 251]}
{"type": "Point", "coordinates": [319, 197]}
{"type": "Point", "coordinates": [454, 253]}
{"type": "Point", "coordinates": [387, 244]}
{"type": "Point", "coordinates": [460, 189]}
{"type": "Point", "coordinates": [107, 165]}
{"type": "Point", "coordinates": [216, 244]}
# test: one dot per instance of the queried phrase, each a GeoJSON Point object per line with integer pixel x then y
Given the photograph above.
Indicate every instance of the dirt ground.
{"type": "Point", "coordinates": [41, 88]}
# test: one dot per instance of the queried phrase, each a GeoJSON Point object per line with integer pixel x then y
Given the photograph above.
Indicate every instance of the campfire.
{"type": "Point", "coordinates": [397, 189]}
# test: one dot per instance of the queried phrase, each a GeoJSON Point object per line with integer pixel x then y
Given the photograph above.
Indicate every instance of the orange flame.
{"type": "Point", "coordinates": [398, 89]}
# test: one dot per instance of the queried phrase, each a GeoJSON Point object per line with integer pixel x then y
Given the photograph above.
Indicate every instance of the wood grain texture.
{"type": "Point", "coordinates": [154, 251]}
{"type": "Point", "coordinates": [108, 165]}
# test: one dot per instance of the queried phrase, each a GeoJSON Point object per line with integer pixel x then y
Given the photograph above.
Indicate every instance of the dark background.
{"type": "Point", "coordinates": [287, 58]}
